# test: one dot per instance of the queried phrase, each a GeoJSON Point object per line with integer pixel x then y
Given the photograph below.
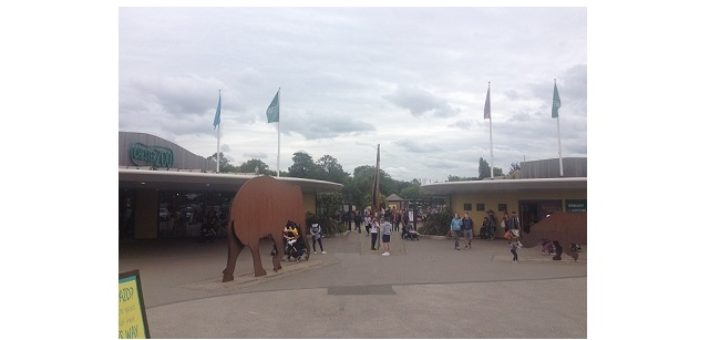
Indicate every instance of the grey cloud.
{"type": "Point", "coordinates": [225, 148]}
{"type": "Point", "coordinates": [320, 125]}
{"type": "Point", "coordinates": [436, 164]}
{"type": "Point", "coordinates": [357, 67]}
{"type": "Point", "coordinates": [255, 155]}
{"type": "Point", "coordinates": [419, 102]}
{"type": "Point", "coordinates": [577, 149]}
{"type": "Point", "coordinates": [520, 117]}
{"type": "Point", "coordinates": [184, 94]}
{"type": "Point", "coordinates": [178, 105]}
{"type": "Point", "coordinates": [572, 87]}
{"type": "Point", "coordinates": [413, 146]}
{"type": "Point", "coordinates": [512, 94]}
{"type": "Point", "coordinates": [466, 124]}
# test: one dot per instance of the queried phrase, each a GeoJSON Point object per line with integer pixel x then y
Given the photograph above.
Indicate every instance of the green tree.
{"type": "Point", "coordinates": [256, 166]}
{"type": "Point", "coordinates": [332, 170]}
{"type": "Point", "coordinates": [225, 166]}
{"type": "Point", "coordinates": [453, 178]}
{"type": "Point", "coordinates": [359, 188]}
{"type": "Point", "coordinates": [304, 167]}
{"type": "Point", "coordinates": [413, 192]}
{"type": "Point", "coordinates": [484, 169]}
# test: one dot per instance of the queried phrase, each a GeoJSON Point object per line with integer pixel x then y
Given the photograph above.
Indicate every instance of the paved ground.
{"type": "Point", "coordinates": [425, 289]}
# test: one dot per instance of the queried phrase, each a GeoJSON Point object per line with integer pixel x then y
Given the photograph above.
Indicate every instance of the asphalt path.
{"type": "Point", "coordinates": [425, 289]}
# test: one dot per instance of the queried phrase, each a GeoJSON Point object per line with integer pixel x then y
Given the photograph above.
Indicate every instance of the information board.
{"type": "Point", "coordinates": [576, 205]}
{"type": "Point", "coordinates": [133, 322]}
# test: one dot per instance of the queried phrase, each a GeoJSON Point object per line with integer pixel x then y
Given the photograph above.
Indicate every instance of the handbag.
{"type": "Point", "coordinates": [507, 235]}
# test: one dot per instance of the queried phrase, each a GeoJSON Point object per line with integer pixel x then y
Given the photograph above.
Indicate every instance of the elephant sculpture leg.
{"type": "Point", "coordinates": [234, 249]}
{"type": "Point", "coordinates": [257, 264]}
{"type": "Point", "coordinates": [278, 244]}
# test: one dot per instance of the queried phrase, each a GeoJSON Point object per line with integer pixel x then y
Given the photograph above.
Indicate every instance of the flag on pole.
{"type": "Point", "coordinates": [273, 111]}
{"type": "Point", "coordinates": [487, 104]}
{"type": "Point", "coordinates": [556, 102]}
{"type": "Point", "coordinates": [216, 122]}
{"type": "Point", "coordinates": [376, 184]}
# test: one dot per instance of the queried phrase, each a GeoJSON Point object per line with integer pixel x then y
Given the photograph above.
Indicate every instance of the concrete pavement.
{"type": "Point", "coordinates": [425, 289]}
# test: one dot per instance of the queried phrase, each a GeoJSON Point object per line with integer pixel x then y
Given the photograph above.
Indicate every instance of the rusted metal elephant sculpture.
{"type": "Point", "coordinates": [260, 209]}
{"type": "Point", "coordinates": [564, 229]}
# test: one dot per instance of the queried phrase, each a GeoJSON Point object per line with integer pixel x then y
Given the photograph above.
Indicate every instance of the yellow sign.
{"type": "Point", "coordinates": [133, 323]}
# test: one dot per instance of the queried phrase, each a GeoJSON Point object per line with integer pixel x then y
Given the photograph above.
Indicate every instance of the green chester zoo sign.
{"type": "Point", "coordinates": [155, 156]}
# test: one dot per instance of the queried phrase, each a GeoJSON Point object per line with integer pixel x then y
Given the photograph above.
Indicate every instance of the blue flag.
{"type": "Point", "coordinates": [556, 103]}
{"type": "Point", "coordinates": [216, 122]}
{"type": "Point", "coordinates": [273, 111]}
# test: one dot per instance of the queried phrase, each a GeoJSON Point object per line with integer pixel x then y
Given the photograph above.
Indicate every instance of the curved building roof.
{"type": "Point", "coordinates": [196, 180]}
{"type": "Point", "coordinates": [151, 162]}
{"type": "Point", "coordinates": [508, 185]}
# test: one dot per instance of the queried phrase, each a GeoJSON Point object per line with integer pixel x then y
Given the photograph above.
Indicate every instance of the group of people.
{"type": "Point", "coordinates": [374, 226]}
{"type": "Point", "coordinates": [463, 228]}
{"type": "Point", "coordinates": [294, 245]}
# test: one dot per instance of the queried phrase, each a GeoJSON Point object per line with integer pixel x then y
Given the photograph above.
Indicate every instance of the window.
{"type": "Point", "coordinates": [480, 207]}
{"type": "Point", "coordinates": [467, 206]}
{"type": "Point", "coordinates": [502, 207]}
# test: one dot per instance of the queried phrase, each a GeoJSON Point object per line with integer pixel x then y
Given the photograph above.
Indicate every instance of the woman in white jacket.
{"type": "Point", "coordinates": [316, 232]}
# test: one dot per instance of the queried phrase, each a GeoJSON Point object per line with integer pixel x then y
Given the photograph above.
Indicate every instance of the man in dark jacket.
{"type": "Point", "coordinates": [467, 228]}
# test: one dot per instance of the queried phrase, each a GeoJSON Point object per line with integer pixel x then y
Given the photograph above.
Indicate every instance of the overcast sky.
{"type": "Point", "coordinates": [413, 80]}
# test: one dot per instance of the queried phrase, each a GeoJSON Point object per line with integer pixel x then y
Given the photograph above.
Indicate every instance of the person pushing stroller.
{"type": "Point", "coordinates": [294, 247]}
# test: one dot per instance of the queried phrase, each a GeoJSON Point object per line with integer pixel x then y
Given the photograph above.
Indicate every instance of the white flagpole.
{"type": "Point", "coordinates": [278, 128]}
{"type": "Point", "coordinates": [217, 158]}
{"type": "Point", "coordinates": [559, 144]}
{"type": "Point", "coordinates": [492, 158]}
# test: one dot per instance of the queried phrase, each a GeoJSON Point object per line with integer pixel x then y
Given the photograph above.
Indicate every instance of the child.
{"type": "Point", "coordinates": [374, 226]}
{"type": "Point", "coordinates": [514, 246]}
{"type": "Point", "coordinates": [386, 231]}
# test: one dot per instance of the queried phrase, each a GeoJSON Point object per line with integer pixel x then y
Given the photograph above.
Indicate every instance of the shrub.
{"type": "Point", "coordinates": [437, 224]}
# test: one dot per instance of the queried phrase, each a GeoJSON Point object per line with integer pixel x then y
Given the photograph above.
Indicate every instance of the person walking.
{"type": "Point", "coordinates": [386, 231]}
{"type": "Point", "coordinates": [455, 228]}
{"type": "Point", "coordinates": [368, 224]}
{"type": "Point", "coordinates": [504, 222]}
{"type": "Point", "coordinates": [515, 245]}
{"type": "Point", "coordinates": [492, 225]}
{"type": "Point", "coordinates": [316, 232]}
{"type": "Point", "coordinates": [358, 221]}
{"type": "Point", "coordinates": [467, 229]}
{"type": "Point", "coordinates": [374, 226]}
{"type": "Point", "coordinates": [514, 223]}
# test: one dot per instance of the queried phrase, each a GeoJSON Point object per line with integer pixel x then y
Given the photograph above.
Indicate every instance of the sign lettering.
{"type": "Point", "coordinates": [155, 156]}
{"type": "Point", "coordinates": [132, 319]}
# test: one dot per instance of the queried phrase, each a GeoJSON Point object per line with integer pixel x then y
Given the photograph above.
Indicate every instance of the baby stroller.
{"type": "Point", "coordinates": [409, 234]}
{"type": "Point", "coordinates": [295, 250]}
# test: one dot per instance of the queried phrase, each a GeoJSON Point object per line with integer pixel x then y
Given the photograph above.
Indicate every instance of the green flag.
{"type": "Point", "coordinates": [273, 111]}
{"type": "Point", "coordinates": [556, 102]}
